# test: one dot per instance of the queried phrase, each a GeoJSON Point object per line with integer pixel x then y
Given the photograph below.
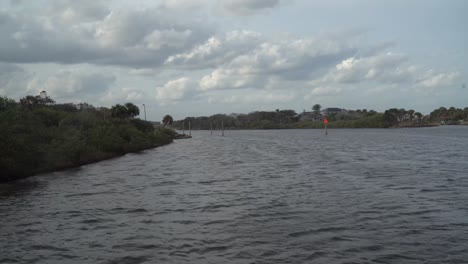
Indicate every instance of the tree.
{"type": "Point", "coordinates": [167, 120]}
{"type": "Point", "coordinates": [128, 110]}
{"type": "Point", "coordinates": [389, 118]}
{"type": "Point", "coordinates": [119, 111]}
{"type": "Point", "coordinates": [6, 103]}
{"type": "Point", "coordinates": [41, 99]}
{"type": "Point", "coordinates": [50, 137]}
{"type": "Point", "coordinates": [439, 114]}
{"type": "Point", "coordinates": [28, 100]}
{"type": "Point", "coordinates": [45, 99]}
{"type": "Point", "coordinates": [316, 108]}
{"type": "Point", "coordinates": [132, 110]}
{"type": "Point", "coordinates": [418, 116]}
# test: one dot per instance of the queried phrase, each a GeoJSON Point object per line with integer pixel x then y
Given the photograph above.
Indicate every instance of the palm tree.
{"type": "Point", "coordinates": [167, 120]}
{"type": "Point", "coordinates": [317, 108]}
{"type": "Point", "coordinates": [132, 110]}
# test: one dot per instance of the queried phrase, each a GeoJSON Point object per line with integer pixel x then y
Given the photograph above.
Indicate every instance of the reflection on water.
{"type": "Point", "coordinates": [19, 188]}
{"type": "Point", "coordinates": [280, 196]}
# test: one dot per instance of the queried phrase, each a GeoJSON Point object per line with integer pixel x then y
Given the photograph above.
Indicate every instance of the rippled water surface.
{"type": "Point", "coordinates": [284, 196]}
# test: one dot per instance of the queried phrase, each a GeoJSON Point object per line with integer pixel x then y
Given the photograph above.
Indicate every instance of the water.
{"type": "Point", "coordinates": [285, 196]}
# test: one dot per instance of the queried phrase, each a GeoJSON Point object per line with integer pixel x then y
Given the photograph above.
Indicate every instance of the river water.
{"type": "Point", "coordinates": [276, 196]}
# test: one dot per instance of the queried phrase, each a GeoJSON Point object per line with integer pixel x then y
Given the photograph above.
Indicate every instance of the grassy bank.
{"type": "Point", "coordinates": [38, 138]}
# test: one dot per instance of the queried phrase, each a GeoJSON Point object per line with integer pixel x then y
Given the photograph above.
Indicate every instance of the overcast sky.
{"type": "Point", "coordinates": [202, 57]}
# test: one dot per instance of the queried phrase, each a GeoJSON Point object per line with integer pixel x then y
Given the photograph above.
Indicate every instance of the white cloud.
{"type": "Point", "coordinates": [147, 43]}
{"type": "Point", "coordinates": [134, 96]}
{"type": "Point", "coordinates": [120, 94]}
{"type": "Point", "coordinates": [149, 72]}
{"type": "Point", "coordinates": [282, 60]}
{"type": "Point", "coordinates": [73, 86]}
{"type": "Point", "coordinates": [173, 90]}
{"type": "Point", "coordinates": [326, 91]}
{"type": "Point", "coordinates": [131, 37]}
{"type": "Point", "coordinates": [71, 11]}
{"type": "Point", "coordinates": [255, 97]}
{"type": "Point", "coordinates": [439, 79]}
{"type": "Point", "coordinates": [387, 67]}
{"type": "Point", "coordinates": [158, 39]}
{"type": "Point", "coordinates": [217, 50]}
{"type": "Point", "coordinates": [225, 79]}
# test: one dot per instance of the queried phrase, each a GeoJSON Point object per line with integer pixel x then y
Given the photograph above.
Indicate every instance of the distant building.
{"type": "Point", "coordinates": [310, 116]}
{"type": "Point", "coordinates": [332, 110]}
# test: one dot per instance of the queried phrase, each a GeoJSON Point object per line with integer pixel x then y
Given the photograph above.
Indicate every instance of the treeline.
{"type": "Point", "coordinates": [372, 120]}
{"type": "Point", "coordinates": [39, 136]}
{"type": "Point", "coordinates": [281, 119]}
{"type": "Point", "coordinates": [287, 119]}
{"type": "Point", "coordinates": [451, 115]}
{"type": "Point", "coordinates": [254, 120]}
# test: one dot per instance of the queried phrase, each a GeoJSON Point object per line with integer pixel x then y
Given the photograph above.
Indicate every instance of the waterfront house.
{"type": "Point", "coordinates": [332, 110]}
{"type": "Point", "coordinates": [310, 116]}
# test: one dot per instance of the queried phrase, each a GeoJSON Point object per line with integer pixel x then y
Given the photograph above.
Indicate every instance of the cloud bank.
{"type": "Point", "coordinates": [180, 52]}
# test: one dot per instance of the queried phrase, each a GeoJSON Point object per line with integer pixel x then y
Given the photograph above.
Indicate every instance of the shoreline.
{"type": "Point", "coordinates": [79, 164]}
{"type": "Point", "coordinates": [329, 127]}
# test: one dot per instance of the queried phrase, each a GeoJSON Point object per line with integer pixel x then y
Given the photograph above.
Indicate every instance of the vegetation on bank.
{"type": "Point", "coordinates": [285, 119]}
{"type": "Point", "coordinates": [39, 136]}
{"type": "Point", "coordinates": [450, 116]}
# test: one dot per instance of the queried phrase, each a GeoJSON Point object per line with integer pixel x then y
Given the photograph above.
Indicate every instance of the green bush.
{"type": "Point", "coordinates": [142, 125]}
{"type": "Point", "coordinates": [46, 137]}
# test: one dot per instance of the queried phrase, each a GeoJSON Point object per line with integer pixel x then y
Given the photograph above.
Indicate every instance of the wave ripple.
{"type": "Point", "coordinates": [286, 196]}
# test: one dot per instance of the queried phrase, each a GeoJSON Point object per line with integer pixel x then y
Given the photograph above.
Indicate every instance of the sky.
{"type": "Point", "coordinates": [203, 57]}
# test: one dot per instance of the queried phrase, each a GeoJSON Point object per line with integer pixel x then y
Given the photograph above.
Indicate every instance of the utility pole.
{"type": "Point", "coordinates": [144, 109]}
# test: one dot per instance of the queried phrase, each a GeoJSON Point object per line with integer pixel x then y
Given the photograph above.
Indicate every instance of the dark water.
{"type": "Point", "coordinates": [291, 196]}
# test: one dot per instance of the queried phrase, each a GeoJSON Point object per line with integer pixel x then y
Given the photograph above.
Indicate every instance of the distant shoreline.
{"type": "Point", "coordinates": [335, 117]}
{"type": "Point", "coordinates": [330, 126]}
{"type": "Point", "coordinates": [318, 128]}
